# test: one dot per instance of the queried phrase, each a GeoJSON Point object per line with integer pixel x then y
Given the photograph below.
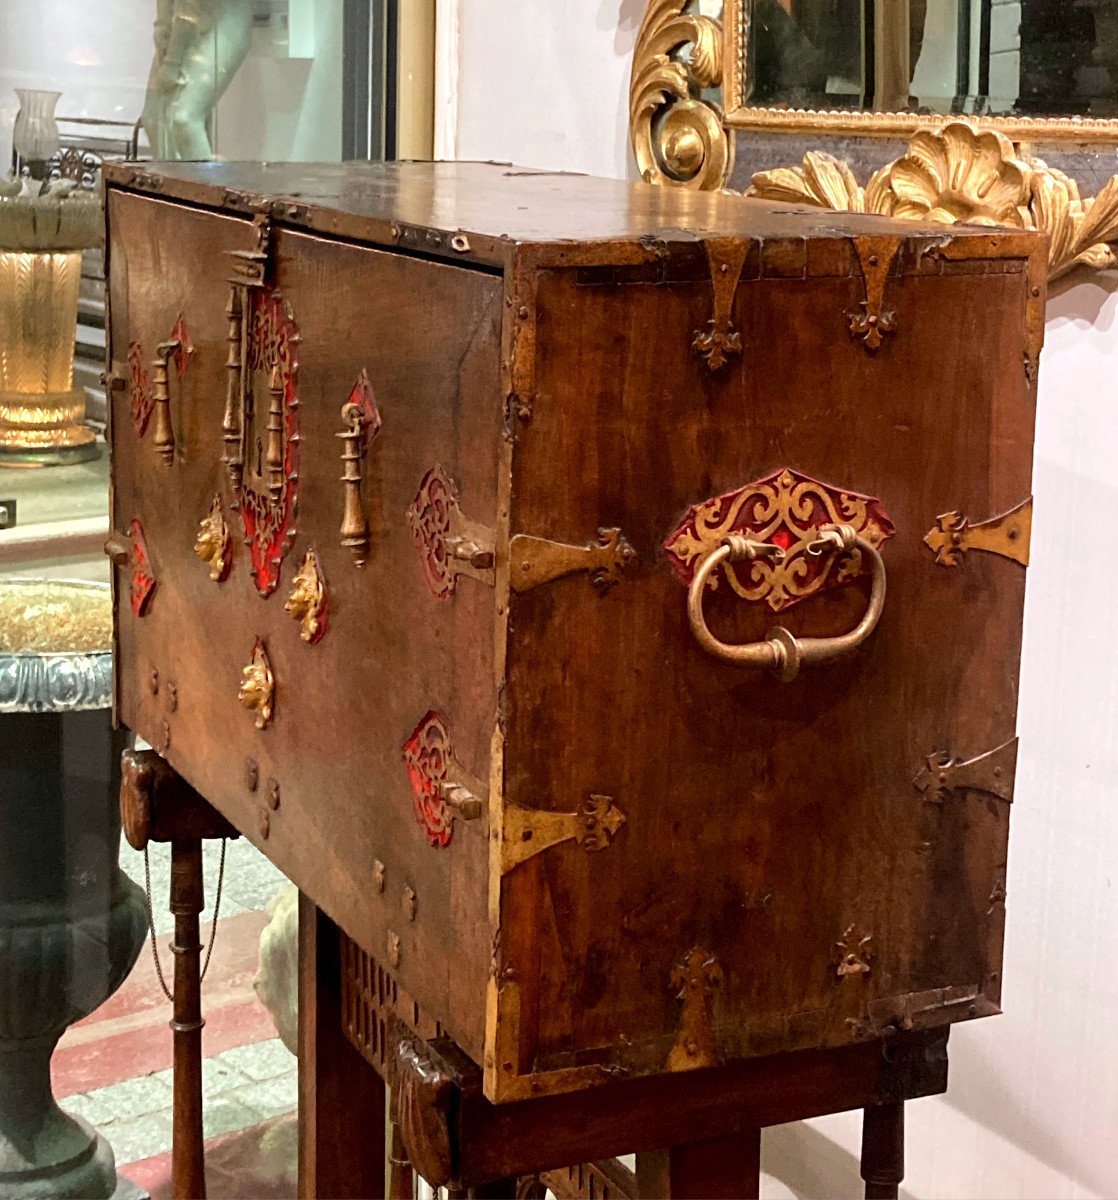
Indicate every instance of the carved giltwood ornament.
{"type": "Point", "coordinates": [955, 169]}
{"type": "Point", "coordinates": [960, 172]}
{"type": "Point", "coordinates": [307, 600]}
{"type": "Point", "coordinates": [678, 136]}
{"type": "Point", "coordinates": [213, 545]}
{"type": "Point", "coordinates": [1008, 535]}
{"type": "Point", "coordinates": [258, 685]}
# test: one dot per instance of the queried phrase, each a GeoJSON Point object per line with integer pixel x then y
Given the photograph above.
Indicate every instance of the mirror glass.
{"type": "Point", "coordinates": [1043, 58]}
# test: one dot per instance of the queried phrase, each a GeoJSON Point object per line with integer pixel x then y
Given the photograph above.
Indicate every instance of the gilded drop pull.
{"type": "Point", "coordinates": [361, 423]}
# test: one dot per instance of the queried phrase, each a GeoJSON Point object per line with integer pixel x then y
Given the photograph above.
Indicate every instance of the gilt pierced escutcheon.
{"type": "Point", "coordinates": [140, 382]}
{"type": "Point", "coordinates": [785, 510]}
{"type": "Point", "coordinates": [448, 545]}
{"type": "Point", "coordinates": [260, 425]}
{"type": "Point", "coordinates": [441, 788]}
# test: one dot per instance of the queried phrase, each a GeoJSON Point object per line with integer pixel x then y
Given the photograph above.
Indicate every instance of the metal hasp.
{"type": "Point", "coordinates": [1009, 535]}
{"type": "Point", "coordinates": [994, 773]}
{"type": "Point", "coordinates": [260, 421]}
{"type": "Point", "coordinates": [534, 560]}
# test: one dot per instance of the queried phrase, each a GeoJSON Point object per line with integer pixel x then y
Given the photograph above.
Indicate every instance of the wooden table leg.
{"type": "Point", "coordinates": [401, 1178]}
{"type": "Point", "coordinates": [496, 1189]}
{"type": "Point", "coordinates": [188, 1167]}
{"type": "Point", "coordinates": [341, 1098]}
{"type": "Point", "coordinates": [157, 805]}
{"type": "Point", "coordinates": [728, 1168]}
{"type": "Point", "coordinates": [883, 1150]}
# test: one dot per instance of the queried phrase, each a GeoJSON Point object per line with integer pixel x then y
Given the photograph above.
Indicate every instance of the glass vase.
{"type": "Point", "coordinates": [35, 135]}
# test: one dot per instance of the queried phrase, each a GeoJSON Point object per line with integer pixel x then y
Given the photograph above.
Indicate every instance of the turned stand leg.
{"type": "Point", "coordinates": [341, 1098]}
{"type": "Point", "coordinates": [157, 805]}
{"type": "Point", "coordinates": [188, 1169]}
{"type": "Point", "coordinates": [883, 1150]}
{"type": "Point", "coordinates": [728, 1168]}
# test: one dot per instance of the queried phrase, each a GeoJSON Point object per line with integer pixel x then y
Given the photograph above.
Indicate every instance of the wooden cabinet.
{"type": "Point", "coordinates": [418, 474]}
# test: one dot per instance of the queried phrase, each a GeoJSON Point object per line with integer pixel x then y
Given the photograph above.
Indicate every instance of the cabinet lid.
{"type": "Point", "coordinates": [479, 211]}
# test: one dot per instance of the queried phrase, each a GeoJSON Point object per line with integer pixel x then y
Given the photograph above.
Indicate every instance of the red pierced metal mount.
{"type": "Point", "coordinates": [268, 508]}
{"type": "Point", "coordinates": [785, 509]}
{"type": "Point", "coordinates": [140, 381]}
{"type": "Point", "coordinates": [427, 754]}
{"type": "Point", "coordinates": [143, 577]}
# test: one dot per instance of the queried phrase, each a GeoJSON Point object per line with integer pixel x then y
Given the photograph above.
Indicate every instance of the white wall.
{"type": "Point", "coordinates": [1032, 1108]}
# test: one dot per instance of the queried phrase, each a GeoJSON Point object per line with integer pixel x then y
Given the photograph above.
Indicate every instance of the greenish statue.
{"type": "Point", "coordinates": [199, 45]}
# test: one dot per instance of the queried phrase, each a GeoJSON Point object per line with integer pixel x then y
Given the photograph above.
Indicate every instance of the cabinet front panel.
{"type": "Point", "coordinates": [290, 659]}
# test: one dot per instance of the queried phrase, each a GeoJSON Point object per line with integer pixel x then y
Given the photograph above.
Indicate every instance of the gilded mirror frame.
{"type": "Point", "coordinates": [955, 168]}
{"type": "Point", "coordinates": [738, 114]}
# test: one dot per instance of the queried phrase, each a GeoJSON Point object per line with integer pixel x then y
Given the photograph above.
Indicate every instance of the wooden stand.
{"type": "Point", "coordinates": [696, 1134]}
{"type": "Point", "coordinates": [157, 805]}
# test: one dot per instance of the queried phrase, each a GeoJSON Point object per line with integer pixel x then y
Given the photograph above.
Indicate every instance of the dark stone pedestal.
{"type": "Point", "coordinates": [71, 926]}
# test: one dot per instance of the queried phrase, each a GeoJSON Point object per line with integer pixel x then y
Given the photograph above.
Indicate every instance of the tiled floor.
{"type": "Point", "coordinates": [114, 1068]}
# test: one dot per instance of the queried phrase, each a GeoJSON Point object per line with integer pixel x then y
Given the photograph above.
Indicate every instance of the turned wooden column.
{"type": "Point", "coordinates": [157, 805]}
{"type": "Point", "coordinates": [883, 1150]}
{"type": "Point", "coordinates": [188, 1170]}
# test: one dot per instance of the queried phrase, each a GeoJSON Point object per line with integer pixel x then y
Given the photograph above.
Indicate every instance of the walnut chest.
{"type": "Point", "coordinates": [603, 601]}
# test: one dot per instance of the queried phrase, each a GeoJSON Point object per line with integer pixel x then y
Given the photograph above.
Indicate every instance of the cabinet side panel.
{"type": "Point", "coordinates": [770, 829]}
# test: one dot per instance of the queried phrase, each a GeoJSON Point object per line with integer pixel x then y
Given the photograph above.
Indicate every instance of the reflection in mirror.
{"type": "Point", "coordinates": [1044, 58]}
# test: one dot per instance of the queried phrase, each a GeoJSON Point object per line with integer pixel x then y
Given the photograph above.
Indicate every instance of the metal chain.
{"type": "Point", "coordinates": [213, 925]}
{"type": "Point", "coordinates": [217, 907]}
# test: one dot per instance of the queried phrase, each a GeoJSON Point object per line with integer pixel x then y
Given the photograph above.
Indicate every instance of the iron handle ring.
{"type": "Point", "coordinates": [781, 652]}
